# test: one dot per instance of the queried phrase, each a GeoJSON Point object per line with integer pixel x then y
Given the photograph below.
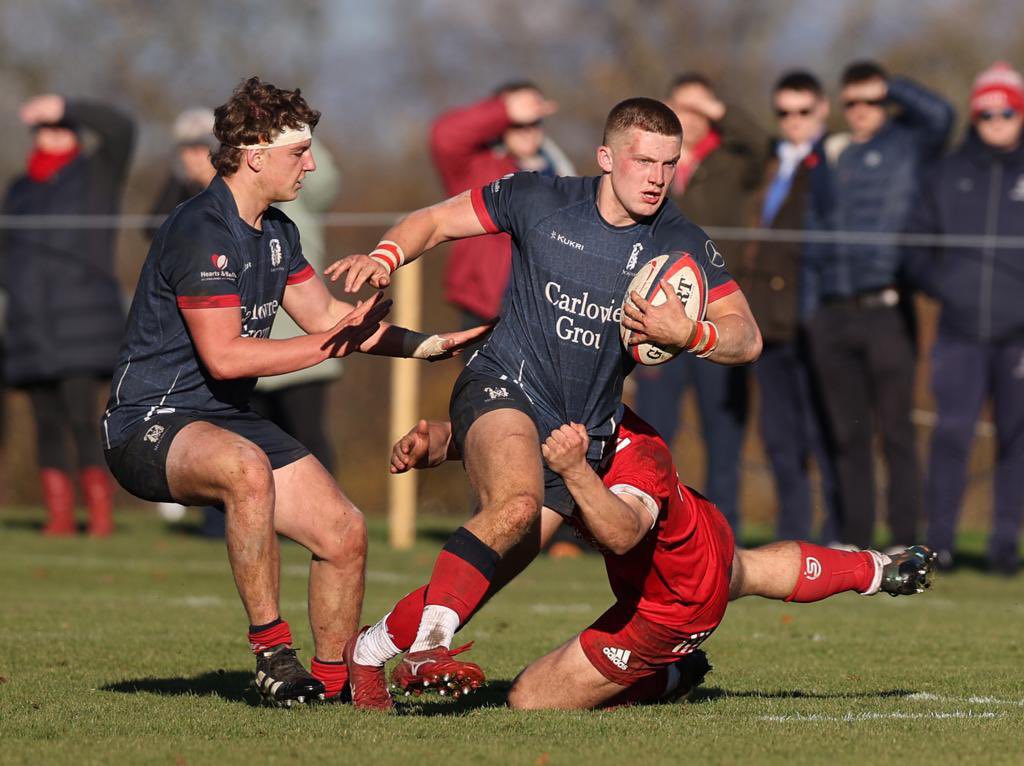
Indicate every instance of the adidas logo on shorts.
{"type": "Point", "coordinates": [618, 657]}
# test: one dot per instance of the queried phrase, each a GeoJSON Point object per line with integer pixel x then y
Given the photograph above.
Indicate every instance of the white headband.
{"type": "Point", "coordinates": [286, 137]}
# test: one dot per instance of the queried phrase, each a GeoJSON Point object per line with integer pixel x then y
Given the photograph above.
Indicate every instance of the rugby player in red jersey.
{"type": "Point", "coordinates": [178, 426]}
{"type": "Point", "coordinates": [672, 564]}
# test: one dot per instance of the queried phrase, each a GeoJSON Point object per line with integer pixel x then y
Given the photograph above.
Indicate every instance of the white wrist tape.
{"type": "Point", "coordinates": [388, 254]}
{"type": "Point", "coordinates": [430, 348]}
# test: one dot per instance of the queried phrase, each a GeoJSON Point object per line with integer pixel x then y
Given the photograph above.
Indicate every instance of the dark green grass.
{"type": "Point", "coordinates": [133, 650]}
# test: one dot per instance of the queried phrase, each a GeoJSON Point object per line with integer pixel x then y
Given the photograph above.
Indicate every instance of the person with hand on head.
{"type": "Point", "coordinates": [473, 145]}
{"type": "Point", "coordinates": [977, 192]}
{"type": "Point", "coordinates": [861, 339]}
{"type": "Point", "coordinates": [178, 425]}
{"type": "Point", "coordinates": [720, 165]}
{"type": "Point", "coordinates": [65, 315]}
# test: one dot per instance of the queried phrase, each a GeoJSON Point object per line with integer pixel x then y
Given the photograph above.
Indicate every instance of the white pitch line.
{"type": "Point", "coordinates": [973, 700]}
{"type": "Point", "coordinates": [850, 717]}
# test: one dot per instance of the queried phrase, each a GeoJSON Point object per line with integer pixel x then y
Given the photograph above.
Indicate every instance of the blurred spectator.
{"type": "Point", "coordinates": [861, 340]}
{"type": "Point", "coordinates": [65, 318]}
{"type": "Point", "coordinates": [191, 172]}
{"type": "Point", "coordinates": [191, 169]}
{"type": "Point", "coordinates": [472, 146]}
{"type": "Point", "coordinates": [792, 426]}
{"type": "Point", "coordinates": [722, 160]}
{"type": "Point", "coordinates": [979, 191]}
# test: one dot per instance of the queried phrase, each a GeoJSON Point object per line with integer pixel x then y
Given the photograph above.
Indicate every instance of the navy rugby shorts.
{"type": "Point", "coordinates": [475, 394]}
{"type": "Point", "coordinates": [140, 462]}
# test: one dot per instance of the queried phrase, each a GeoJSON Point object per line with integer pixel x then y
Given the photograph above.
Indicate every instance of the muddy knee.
{"type": "Point", "coordinates": [341, 538]}
{"type": "Point", "coordinates": [247, 476]}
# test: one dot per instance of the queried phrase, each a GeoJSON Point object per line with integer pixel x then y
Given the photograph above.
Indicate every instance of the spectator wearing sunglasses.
{"type": "Point", "coordinates": [771, 273]}
{"type": "Point", "coordinates": [861, 334]}
{"type": "Point", "coordinates": [977, 191]}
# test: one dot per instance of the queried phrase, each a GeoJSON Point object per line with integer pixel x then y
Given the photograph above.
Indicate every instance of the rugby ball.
{"type": "Point", "coordinates": [687, 279]}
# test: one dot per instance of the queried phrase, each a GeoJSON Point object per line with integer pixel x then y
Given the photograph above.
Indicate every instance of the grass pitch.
{"type": "Point", "coordinates": [132, 650]}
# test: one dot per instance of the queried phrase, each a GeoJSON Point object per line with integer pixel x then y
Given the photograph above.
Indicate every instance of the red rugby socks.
{"type": "Point", "coordinates": [333, 675]}
{"type": "Point", "coordinates": [394, 633]}
{"type": "Point", "coordinates": [404, 619]}
{"type": "Point", "coordinates": [825, 572]}
{"type": "Point", "coordinates": [460, 580]}
{"type": "Point", "coordinates": [263, 637]}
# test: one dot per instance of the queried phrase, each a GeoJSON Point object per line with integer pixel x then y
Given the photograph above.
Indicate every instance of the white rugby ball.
{"type": "Point", "coordinates": [687, 279]}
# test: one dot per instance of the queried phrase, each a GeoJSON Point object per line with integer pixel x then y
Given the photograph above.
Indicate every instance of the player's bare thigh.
{"type": "Point", "coordinates": [563, 679]}
{"type": "Point", "coordinates": [503, 461]}
{"type": "Point", "coordinates": [209, 464]}
{"type": "Point", "coordinates": [311, 509]}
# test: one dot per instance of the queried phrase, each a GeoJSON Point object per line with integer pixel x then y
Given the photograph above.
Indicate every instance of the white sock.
{"type": "Point", "coordinates": [876, 582]}
{"type": "Point", "coordinates": [375, 646]}
{"type": "Point", "coordinates": [437, 628]}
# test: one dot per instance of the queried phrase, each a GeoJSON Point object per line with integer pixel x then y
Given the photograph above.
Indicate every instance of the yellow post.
{"type": "Point", "coordinates": [405, 388]}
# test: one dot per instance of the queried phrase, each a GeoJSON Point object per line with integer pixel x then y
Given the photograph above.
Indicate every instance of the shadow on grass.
{"type": "Point", "coordinates": [714, 693]}
{"type": "Point", "coordinates": [492, 695]}
{"type": "Point", "coordinates": [32, 525]}
{"type": "Point", "coordinates": [230, 685]}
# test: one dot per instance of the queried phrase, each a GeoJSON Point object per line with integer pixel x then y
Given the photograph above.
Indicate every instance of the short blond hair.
{"type": "Point", "coordinates": [648, 114]}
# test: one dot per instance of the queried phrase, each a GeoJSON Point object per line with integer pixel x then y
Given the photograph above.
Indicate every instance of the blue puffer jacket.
{"type": "Point", "coordinates": [874, 185]}
{"type": "Point", "coordinates": [977, 192]}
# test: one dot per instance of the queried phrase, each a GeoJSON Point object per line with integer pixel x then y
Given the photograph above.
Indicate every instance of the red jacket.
{"type": "Point", "coordinates": [462, 145]}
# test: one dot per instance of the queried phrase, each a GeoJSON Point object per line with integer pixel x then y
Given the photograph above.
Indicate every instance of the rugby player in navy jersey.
{"type": "Point", "coordinates": [178, 426]}
{"type": "Point", "coordinates": [554, 357]}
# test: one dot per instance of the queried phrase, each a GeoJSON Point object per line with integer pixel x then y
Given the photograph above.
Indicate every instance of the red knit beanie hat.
{"type": "Point", "coordinates": [998, 86]}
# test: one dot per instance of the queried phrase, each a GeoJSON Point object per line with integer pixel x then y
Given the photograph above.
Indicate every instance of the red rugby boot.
{"type": "Point", "coordinates": [367, 683]}
{"type": "Point", "coordinates": [435, 669]}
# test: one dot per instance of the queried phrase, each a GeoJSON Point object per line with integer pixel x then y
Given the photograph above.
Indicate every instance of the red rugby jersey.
{"type": "Point", "coordinates": [678, 574]}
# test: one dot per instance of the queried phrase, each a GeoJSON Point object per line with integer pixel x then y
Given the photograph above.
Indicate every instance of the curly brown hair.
{"type": "Point", "coordinates": [254, 113]}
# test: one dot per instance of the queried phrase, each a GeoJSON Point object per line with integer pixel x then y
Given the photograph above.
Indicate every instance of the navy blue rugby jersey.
{"type": "Point", "coordinates": [558, 337]}
{"type": "Point", "coordinates": [204, 256]}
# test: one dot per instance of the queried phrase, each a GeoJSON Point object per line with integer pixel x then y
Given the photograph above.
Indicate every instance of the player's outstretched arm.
{"type": "Point", "coordinates": [315, 310]}
{"type": "Point", "coordinates": [618, 522]}
{"type": "Point", "coordinates": [407, 240]}
{"type": "Point", "coordinates": [427, 445]}
{"type": "Point", "coordinates": [739, 339]}
{"type": "Point", "coordinates": [227, 354]}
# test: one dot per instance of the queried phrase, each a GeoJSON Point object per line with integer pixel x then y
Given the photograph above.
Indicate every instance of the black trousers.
{"type": "Point", "coordinates": [63, 409]}
{"type": "Point", "coordinates": [865, 360]}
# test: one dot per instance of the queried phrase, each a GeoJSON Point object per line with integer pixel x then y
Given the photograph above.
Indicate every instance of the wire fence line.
{"type": "Point", "coordinates": [387, 218]}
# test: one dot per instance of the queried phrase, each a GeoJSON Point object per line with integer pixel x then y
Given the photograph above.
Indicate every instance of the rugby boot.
{"type": "Point", "coordinates": [908, 572]}
{"type": "Point", "coordinates": [59, 497]}
{"type": "Point", "coordinates": [281, 679]}
{"type": "Point", "coordinates": [437, 670]}
{"type": "Point", "coordinates": [367, 683]}
{"type": "Point", "coordinates": [98, 492]}
{"type": "Point", "coordinates": [690, 670]}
